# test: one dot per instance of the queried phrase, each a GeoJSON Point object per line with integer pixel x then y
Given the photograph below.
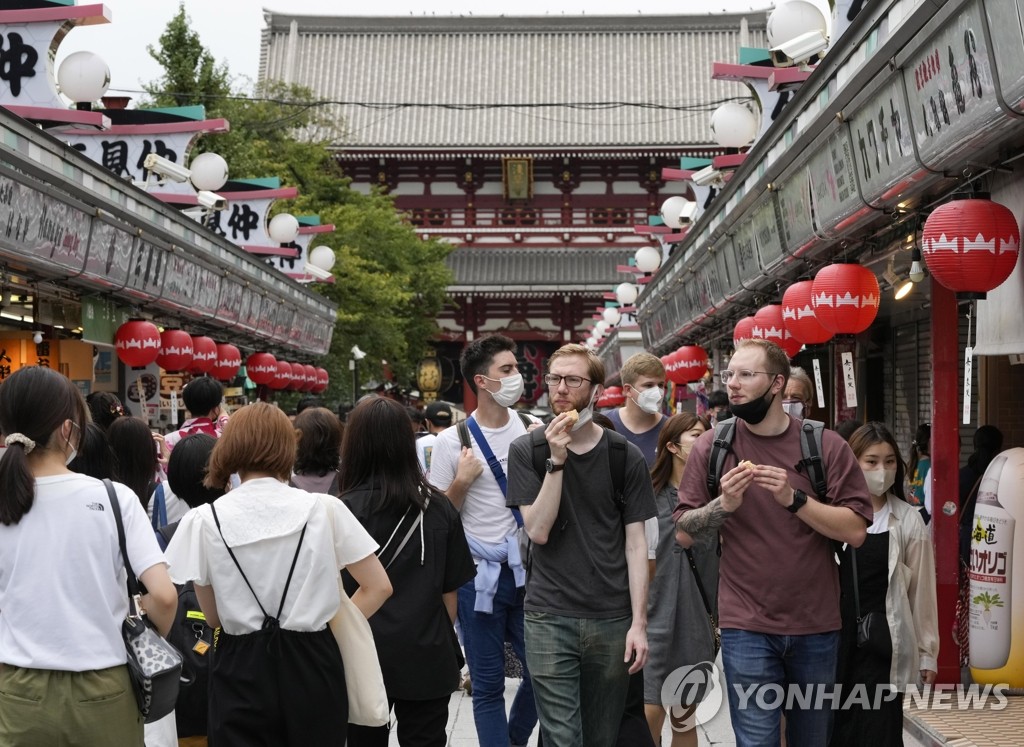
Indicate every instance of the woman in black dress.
{"type": "Point", "coordinates": [424, 550]}
{"type": "Point", "coordinates": [894, 575]}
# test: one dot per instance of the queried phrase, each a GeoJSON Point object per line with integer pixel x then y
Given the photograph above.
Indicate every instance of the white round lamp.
{"type": "Point", "coordinates": [794, 18]}
{"type": "Point", "coordinates": [611, 315]}
{"type": "Point", "coordinates": [625, 294]}
{"type": "Point", "coordinates": [322, 257]}
{"type": "Point", "coordinates": [283, 228]}
{"type": "Point", "coordinates": [648, 259]}
{"type": "Point", "coordinates": [671, 209]}
{"type": "Point", "coordinates": [83, 77]}
{"type": "Point", "coordinates": [209, 171]}
{"type": "Point", "coordinates": [733, 125]}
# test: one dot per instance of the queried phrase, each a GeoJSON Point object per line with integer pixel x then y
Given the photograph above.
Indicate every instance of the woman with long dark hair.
{"type": "Point", "coordinates": [264, 560]}
{"type": "Point", "coordinates": [63, 678]}
{"type": "Point", "coordinates": [679, 631]}
{"type": "Point", "coordinates": [316, 464]}
{"type": "Point", "coordinates": [891, 578]}
{"type": "Point", "coordinates": [135, 459]}
{"type": "Point", "coordinates": [425, 551]}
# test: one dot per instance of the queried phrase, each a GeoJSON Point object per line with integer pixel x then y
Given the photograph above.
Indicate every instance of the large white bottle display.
{"type": "Point", "coordinates": [997, 608]}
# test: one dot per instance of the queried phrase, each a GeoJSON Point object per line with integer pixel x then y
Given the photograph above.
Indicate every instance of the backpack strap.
{"type": "Point", "coordinates": [616, 460]}
{"type": "Point", "coordinates": [810, 445]}
{"type": "Point", "coordinates": [463, 429]}
{"type": "Point", "coordinates": [720, 448]}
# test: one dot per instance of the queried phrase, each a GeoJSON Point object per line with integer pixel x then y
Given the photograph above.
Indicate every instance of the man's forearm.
{"type": "Point", "coordinates": [540, 516]}
{"type": "Point", "coordinates": [700, 523]}
{"type": "Point", "coordinates": [636, 568]}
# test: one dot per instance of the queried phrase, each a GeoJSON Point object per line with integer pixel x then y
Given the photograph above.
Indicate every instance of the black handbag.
{"type": "Point", "coordinates": [154, 665]}
{"type": "Point", "coordinates": [872, 629]}
{"type": "Point", "coordinates": [716, 632]}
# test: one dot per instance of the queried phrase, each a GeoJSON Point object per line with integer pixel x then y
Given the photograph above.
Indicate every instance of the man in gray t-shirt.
{"type": "Point", "coordinates": [586, 594]}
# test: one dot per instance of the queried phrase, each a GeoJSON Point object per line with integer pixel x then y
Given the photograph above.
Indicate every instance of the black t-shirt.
{"type": "Point", "coordinates": [415, 640]}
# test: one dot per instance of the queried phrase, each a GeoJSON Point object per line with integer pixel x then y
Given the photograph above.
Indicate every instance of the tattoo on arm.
{"type": "Point", "coordinates": [703, 521]}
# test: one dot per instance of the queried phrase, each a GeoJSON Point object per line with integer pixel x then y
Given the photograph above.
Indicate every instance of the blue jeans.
{"type": "Point", "coordinates": [759, 671]}
{"type": "Point", "coordinates": [579, 677]}
{"type": "Point", "coordinates": [484, 638]}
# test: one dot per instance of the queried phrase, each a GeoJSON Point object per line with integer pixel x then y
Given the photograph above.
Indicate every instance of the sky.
{"type": "Point", "coordinates": [230, 29]}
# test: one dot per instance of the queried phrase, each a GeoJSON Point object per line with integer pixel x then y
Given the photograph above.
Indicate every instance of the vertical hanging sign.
{"type": "Point", "coordinates": [817, 383]}
{"type": "Point", "coordinates": [968, 372]}
{"type": "Point", "coordinates": [849, 380]}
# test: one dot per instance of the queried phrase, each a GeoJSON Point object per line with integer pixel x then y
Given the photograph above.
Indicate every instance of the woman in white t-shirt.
{"type": "Point", "coordinates": [265, 560]}
{"type": "Point", "coordinates": [63, 677]}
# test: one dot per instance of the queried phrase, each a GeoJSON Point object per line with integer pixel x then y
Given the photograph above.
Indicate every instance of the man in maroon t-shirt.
{"type": "Point", "coordinates": [779, 586]}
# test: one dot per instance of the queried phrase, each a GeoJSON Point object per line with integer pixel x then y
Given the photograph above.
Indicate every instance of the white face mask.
{"type": "Point", "coordinates": [587, 413]}
{"type": "Point", "coordinates": [794, 407]}
{"type": "Point", "coordinates": [74, 452]}
{"type": "Point", "coordinates": [879, 480]}
{"type": "Point", "coordinates": [649, 400]}
{"type": "Point", "coordinates": [512, 388]}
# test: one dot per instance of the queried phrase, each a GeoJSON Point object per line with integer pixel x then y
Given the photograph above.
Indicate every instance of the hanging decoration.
{"type": "Point", "coordinates": [282, 375]}
{"type": "Point", "coordinates": [229, 360]}
{"type": "Point", "coordinates": [768, 325]}
{"type": "Point", "coordinates": [175, 350]}
{"type": "Point", "coordinates": [261, 368]}
{"type": "Point", "coordinates": [689, 364]}
{"type": "Point", "coordinates": [798, 314]}
{"type": "Point", "coordinates": [971, 246]}
{"type": "Point", "coordinates": [743, 330]}
{"type": "Point", "coordinates": [310, 374]}
{"type": "Point", "coordinates": [322, 380]}
{"type": "Point", "coordinates": [204, 354]}
{"type": "Point", "coordinates": [613, 397]}
{"type": "Point", "coordinates": [137, 343]}
{"type": "Point", "coordinates": [845, 298]}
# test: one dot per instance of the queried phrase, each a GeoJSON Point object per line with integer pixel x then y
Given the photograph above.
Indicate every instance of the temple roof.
{"type": "Point", "coordinates": [573, 82]}
{"type": "Point", "coordinates": [536, 269]}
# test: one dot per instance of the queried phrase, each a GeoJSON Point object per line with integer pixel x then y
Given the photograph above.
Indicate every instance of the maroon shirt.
{"type": "Point", "coordinates": [778, 575]}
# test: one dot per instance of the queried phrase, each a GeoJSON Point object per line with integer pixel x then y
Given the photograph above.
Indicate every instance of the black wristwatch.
{"type": "Point", "coordinates": [799, 499]}
{"type": "Point", "coordinates": [552, 467]}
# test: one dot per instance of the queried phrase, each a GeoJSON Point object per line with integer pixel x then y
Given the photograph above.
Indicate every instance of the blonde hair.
{"type": "Point", "coordinates": [775, 358]}
{"type": "Point", "coordinates": [258, 438]}
{"type": "Point", "coordinates": [641, 364]}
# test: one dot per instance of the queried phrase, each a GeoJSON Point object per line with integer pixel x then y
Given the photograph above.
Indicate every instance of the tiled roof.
{"type": "Point", "coordinates": [536, 269]}
{"type": "Point", "coordinates": [645, 61]}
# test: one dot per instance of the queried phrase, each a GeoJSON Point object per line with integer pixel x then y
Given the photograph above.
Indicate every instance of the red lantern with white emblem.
{"type": "Point", "coordinates": [614, 396]}
{"type": "Point", "coordinates": [798, 315]}
{"type": "Point", "coordinates": [229, 360]}
{"type": "Point", "coordinates": [845, 298]}
{"type": "Point", "coordinates": [137, 343]}
{"type": "Point", "coordinates": [971, 246]}
{"type": "Point", "coordinates": [690, 365]}
{"type": "Point", "coordinates": [298, 382]}
{"type": "Point", "coordinates": [282, 376]}
{"type": "Point", "coordinates": [261, 368]}
{"type": "Point", "coordinates": [310, 378]}
{"type": "Point", "coordinates": [175, 350]}
{"type": "Point", "coordinates": [743, 330]}
{"type": "Point", "coordinates": [768, 326]}
{"type": "Point", "coordinates": [322, 380]}
{"type": "Point", "coordinates": [204, 354]}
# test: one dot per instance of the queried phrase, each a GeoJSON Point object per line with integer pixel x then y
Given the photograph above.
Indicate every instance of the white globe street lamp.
{"type": "Point", "coordinates": [83, 77]}
{"type": "Point", "coordinates": [283, 228]}
{"type": "Point", "coordinates": [625, 294]}
{"type": "Point", "coordinates": [611, 315]}
{"type": "Point", "coordinates": [209, 171]}
{"type": "Point", "coordinates": [322, 257]}
{"type": "Point", "coordinates": [648, 259]}
{"type": "Point", "coordinates": [733, 125]}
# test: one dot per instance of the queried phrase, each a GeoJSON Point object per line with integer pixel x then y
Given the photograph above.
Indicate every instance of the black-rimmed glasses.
{"type": "Point", "coordinates": [573, 382]}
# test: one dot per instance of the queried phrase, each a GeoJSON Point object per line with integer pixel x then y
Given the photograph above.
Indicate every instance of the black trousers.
{"type": "Point", "coordinates": [280, 689]}
{"type": "Point", "coordinates": [420, 724]}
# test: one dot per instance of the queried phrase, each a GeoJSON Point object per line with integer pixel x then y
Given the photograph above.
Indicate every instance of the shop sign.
{"type": "Point", "coordinates": [766, 234]}
{"type": "Point", "coordinates": [146, 277]}
{"type": "Point", "coordinates": [1004, 22]}
{"type": "Point", "coordinates": [722, 271]}
{"type": "Point", "coordinates": [194, 289]}
{"type": "Point", "coordinates": [100, 319]}
{"type": "Point", "coordinates": [110, 254]}
{"type": "Point", "coordinates": [795, 207]}
{"type": "Point", "coordinates": [884, 151]}
{"type": "Point", "coordinates": [230, 301]}
{"type": "Point", "coordinates": [249, 308]}
{"type": "Point", "coordinates": [41, 229]}
{"type": "Point", "coordinates": [124, 155]}
{"type": "Point", "coordinates": [833, 183]}
{"type": "Point", "coordinates": [746, 252]}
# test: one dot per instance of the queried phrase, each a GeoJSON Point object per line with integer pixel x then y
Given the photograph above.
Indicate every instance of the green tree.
{"type": "Point", "coordinates": [191, 75]}
{"type": "Point", "coordinates": [389, 284]}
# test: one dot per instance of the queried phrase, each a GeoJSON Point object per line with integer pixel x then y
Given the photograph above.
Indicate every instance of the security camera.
{"type": "Point", "coordinates": [320, 274]}
{"type": "Point", "coordinates": [195, 213]}
{"type": "Point", "coordinates": [677, 211]}
{"type": "Point", "coordinates": [211, 200]}
{"type": "Point", "coordinates": [707, 177]}
{"type": "Point", "coordinates": [799, 50]}
{"type": "Point", "coordinates": [357, 353]}
{"type": "Point", "coordinates": [165, 168]}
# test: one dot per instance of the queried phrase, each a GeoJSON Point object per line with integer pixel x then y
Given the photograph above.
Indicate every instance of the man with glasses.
{"type": "Point", "coordinates": [778, 586]}
{"type": "Point", "coordinates": [490, 608]}
{"type": "Point", "coordinates": [586, 600]}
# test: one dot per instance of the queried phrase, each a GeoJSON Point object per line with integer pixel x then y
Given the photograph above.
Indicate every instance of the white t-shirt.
{"type": "Point", "coordinates": [62, 579]}
{"type": "Point", "coordinates": [425, 452]}
{"type": "Point", "coordinates": [176, 508]}
{"type": "Point", "coordinates": [485, 516]}
{"type": "Point", "coordinates": [262, 520]}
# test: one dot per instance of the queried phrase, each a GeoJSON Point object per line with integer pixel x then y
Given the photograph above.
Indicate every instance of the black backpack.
{"type": "Point", "coordinates": [810, 445]}
{"type": "Point", "coordinates": [194, 639]}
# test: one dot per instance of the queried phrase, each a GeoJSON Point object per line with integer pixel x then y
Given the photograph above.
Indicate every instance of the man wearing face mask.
{"type": "Point", "coordinates": [799, 397]}
{"type": "Point", "coordinates": [778, 584]}
{"type": "Point", "coordinates": [490, 607]}
{"type": "Point", "coordinates": [640, 420]}
{"type": "Point", "coordinates": [586, 602]}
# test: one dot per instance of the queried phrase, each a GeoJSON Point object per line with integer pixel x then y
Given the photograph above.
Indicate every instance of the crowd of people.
{"type": "Point", "coordinates": [596, 555]}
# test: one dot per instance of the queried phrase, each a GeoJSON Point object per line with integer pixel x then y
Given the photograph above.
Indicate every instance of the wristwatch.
{"type": "Point", "coordinates": [552, 467]}
{"type": "Point", "coordinates": [799, 499]}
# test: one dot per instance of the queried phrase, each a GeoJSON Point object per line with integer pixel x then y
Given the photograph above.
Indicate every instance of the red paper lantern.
{"type": "Point", "coordinates": [322, 380]}
{"type": "Point", "coordinates": [229, 360]}
{"type": "Point", "coordinates": [971, 246]}
{"type": "Point", "coordinates": [845, 298]}
{"type": "Point", "coordinates": [768, 326]}
{"type": "Point", "coordinates": [310, 378]}
{"type": "Point", "coordinates": [137, 343]}
{"type": "Point", "coordinates": [691, 364]}
{"type": "Point", "coordinates": [743, 330]}
{"type": "Point", "coordinates": [798, 315]}
{"type": "Point", "coordinates": [204, 354]}
{"type": "Point", "coordinates": [175, 350]}
{"type": "Point", "coordinates": [282, 375]}
{"type": "Point", "coordinates": [261, 368]}
{"type": "Point", "coordinates": [614, 396]}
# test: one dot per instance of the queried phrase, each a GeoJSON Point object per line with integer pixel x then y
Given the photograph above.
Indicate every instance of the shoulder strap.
{"type": "Point", "coordinates": [524, 418]}
{"type": "Point", "coordinates": [133, 582]}
{"type": "Point", "coordinates": [463, 430]}
{"type": "Point", "coordinates": [700, 584]}
{"type": "Point", "coordinates": [488, 454]}
{"type": "Point", "coordinates": [810, 444]}
{"type": "Point", "coordinates": [159, 507]}
{"type": "Point", "coordinates": [617, 465]}
{"type": "Point", "coordinates": [720, 448]}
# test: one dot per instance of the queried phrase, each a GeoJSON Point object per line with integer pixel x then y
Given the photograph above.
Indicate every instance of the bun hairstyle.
{"type": "Point", "coordinates": [34, 402]}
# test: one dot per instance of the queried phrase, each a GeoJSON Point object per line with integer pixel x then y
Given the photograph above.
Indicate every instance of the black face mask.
{"type": "Point", "coordinates": [755, 410]}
